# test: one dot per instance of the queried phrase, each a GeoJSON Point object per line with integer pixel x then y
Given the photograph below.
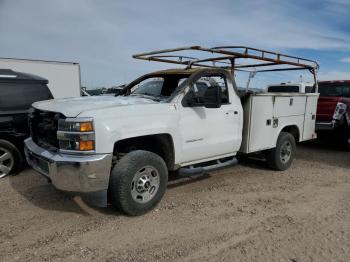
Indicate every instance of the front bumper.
{"type": "Point", "coordinates": [74, 173]}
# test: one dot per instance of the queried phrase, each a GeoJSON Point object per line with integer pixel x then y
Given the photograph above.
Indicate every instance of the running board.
{"type": "Point", "coordinates": [191, 170]}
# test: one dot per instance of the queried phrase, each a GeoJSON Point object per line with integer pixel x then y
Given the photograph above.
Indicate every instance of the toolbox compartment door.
{"type": "Point", "coordinates": [289, 106]}
{"type": "Point", "coordinates": [310, 117]}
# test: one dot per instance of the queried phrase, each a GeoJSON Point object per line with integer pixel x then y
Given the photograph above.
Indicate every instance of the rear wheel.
{"type": "Point", "coordinates": [138, 182]}
{"type": "Point", "coordinates": [347, 138]}
{"type": "Point", "coordinates": [282, 156]}
{"type": "Point", "coordinates": [11, 160]}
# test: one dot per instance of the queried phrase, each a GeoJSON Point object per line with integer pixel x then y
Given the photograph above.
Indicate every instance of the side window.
{"type": "Point", "coordinates": [205, 82]}
{"type": "Point", "coordinates": [346, 91]}
{"type": "Point", "coordinates": [20, 96]}
{"type": "Point", "coordinates": [283, 89]}
{"type": "Point", "coordinates": [309, 89]}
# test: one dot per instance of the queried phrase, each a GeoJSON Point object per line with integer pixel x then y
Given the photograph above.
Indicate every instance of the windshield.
{"type": "Point", "coordinates": [334, 89]}
{"type": "Point", "coordinates": [157, 87]}
{"type": "Point", "coordinates": [151, 87]}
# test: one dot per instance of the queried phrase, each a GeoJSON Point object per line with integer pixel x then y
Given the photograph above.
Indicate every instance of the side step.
{"type": "Point", "coordinates": [191, 170]}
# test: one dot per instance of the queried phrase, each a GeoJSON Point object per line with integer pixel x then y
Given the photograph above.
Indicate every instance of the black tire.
{"type": "Point", "coordinates": [276, 157]}
{"type": "Point", "coordinates": [347, 138]}
{"type": "Point", "coordinates": [15, 155]}
{"type": "Point", "coordinates": [121, 184]}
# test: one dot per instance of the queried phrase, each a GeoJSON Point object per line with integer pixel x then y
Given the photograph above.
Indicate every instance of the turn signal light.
{"type": "Point", "coordinates": [86, 127]}
{"type": "Point", "coordinates": [86, 145]}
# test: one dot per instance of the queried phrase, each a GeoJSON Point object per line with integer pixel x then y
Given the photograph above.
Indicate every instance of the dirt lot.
{"type": "Point", "coordinates": [243, 213]}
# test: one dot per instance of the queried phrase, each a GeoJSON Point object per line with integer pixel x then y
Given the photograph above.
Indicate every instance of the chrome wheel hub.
{"type": "Point", "coordinates": [145, 184]}
{"type": "Point", "coordinates": [286, 152]}
{"type": "Point", "coordinates": [6, 162]}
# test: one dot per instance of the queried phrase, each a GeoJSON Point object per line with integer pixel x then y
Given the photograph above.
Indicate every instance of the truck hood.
{"type": "Point", "coordinates": [72, 107]}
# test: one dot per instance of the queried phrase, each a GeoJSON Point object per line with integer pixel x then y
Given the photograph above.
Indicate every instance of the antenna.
{"type": "Point", "coordinates": [251, 76]}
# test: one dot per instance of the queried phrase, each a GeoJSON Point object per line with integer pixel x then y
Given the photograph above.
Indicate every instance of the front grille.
{"type": "Point", "coordinates": [43, 128]}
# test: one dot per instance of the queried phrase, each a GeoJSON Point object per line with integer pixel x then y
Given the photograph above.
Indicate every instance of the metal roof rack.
{"type": "Point", "coordinates": [257, 60]}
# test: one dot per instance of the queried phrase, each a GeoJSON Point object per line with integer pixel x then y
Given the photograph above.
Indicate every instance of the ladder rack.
{"type": "Point", "coordinates": [256, 60]}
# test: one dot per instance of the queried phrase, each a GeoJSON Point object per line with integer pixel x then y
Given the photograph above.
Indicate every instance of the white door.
{"type": "Point", "coordinates": [261, 123]}
{"type": "Point", "coordinates": [211, 132]}
{"type": "Point", "coordinates": [310, 117]}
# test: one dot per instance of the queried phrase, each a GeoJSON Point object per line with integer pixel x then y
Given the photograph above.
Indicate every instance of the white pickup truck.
{"type": "Point", "coordinates": [189, 120]}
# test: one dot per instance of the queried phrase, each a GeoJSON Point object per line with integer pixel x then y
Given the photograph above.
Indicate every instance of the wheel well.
{"type": "Point", "coordinates": [294, 130]}
{"type": "Point", "coordinates": [17, 142]}
{"type": "Point", "coordinates": [160, 144]}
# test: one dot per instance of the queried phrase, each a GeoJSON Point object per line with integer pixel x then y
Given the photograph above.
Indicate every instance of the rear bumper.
{"type": "Point", "coordinates": [324, 126]}
{"type": "Point", "coordinates": [74, 173]}
{"type": "Point", "coordinates": [332, 125]}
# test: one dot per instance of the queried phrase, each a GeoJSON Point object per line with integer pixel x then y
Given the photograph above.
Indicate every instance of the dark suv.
{"type": "Point", "coordinates": [17, 92]}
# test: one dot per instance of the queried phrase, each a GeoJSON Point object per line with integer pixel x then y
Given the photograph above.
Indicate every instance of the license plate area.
{"type": "Point", "coordinates": [41, 164]}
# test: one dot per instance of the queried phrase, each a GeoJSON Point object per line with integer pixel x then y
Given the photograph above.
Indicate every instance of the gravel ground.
{"type": "Point", "coordinates": [243, 213]}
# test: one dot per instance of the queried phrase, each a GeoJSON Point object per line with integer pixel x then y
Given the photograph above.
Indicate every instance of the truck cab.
{"type": "Point", "coordinates": [333, 110]}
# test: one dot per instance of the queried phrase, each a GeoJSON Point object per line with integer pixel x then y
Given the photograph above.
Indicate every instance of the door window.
{"type": "Point", "coordinates": [205, 82]}
{"type": "Point", "coordinates": [346, 91]}
{"type": "Point", "coordinates": [309, 89]}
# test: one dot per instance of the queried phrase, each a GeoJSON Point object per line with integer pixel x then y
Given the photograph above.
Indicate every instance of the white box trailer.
{"type": "Point", "coordinates": [64, 77]}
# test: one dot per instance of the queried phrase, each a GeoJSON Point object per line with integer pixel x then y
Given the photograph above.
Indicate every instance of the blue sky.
{"type": "Point", "coordinates": [102, 35]}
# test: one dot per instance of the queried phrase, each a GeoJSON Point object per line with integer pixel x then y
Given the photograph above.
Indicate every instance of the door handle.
{"type": "Point", "coordinates": [231, 111]}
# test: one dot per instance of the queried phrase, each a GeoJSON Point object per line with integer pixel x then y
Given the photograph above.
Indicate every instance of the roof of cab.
{"type": "Point", "coordinates": [8, 74]}
{"type": "Point", "coordinates": [180, 71]}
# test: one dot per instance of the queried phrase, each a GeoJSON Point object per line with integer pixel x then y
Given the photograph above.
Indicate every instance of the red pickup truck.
{"type": "Point", "coordinates": [333, 110]}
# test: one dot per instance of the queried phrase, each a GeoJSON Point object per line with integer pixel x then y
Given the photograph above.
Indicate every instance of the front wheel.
{"type": "Point", "coordinates": [282, 156]}
{"type": "Point", "coordinates": [138, 182]}
{"type": "Point", "coordinates": [346, 138]}
{"type": "Point", "coordinates": [11, 160]}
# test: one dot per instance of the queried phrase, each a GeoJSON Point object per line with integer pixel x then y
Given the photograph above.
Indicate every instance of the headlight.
{"type": "Point", "coordinates": [339, 111]}
{"type": "Point", "coordinates": [76, 125]}
{"type": "Point", "coordinates": [76, 135]}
